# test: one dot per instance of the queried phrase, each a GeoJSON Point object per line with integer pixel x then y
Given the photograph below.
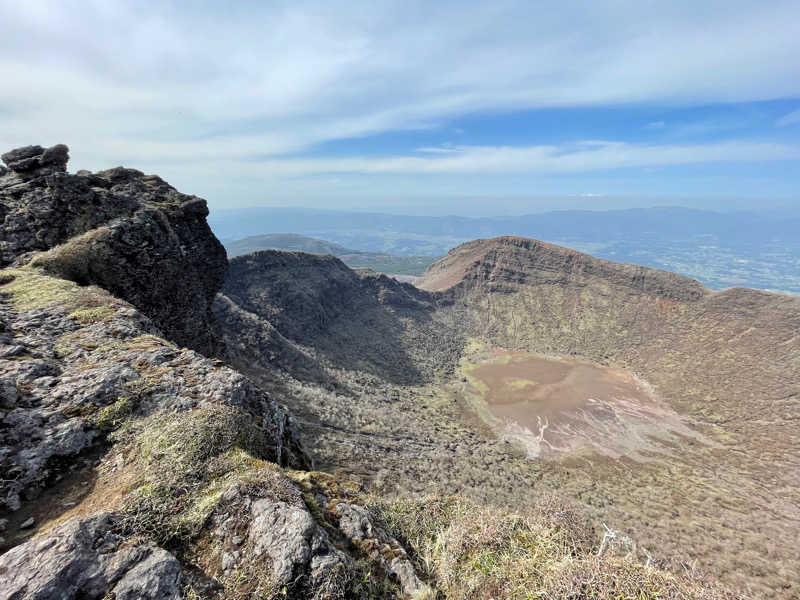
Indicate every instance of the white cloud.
{"type": "Point", "coordinates": [120, 81]}
{"type": "Point", "coordinates": [792, 118]}
{"type": "Point", "coordinates": [582, 157]}
{"type": "Point", "coordinates": [221, 101]}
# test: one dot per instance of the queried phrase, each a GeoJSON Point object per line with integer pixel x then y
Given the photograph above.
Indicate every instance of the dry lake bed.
{"type": "Point", "coordinates": [553, 405]}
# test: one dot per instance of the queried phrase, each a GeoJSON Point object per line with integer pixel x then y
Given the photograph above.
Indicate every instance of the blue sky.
{"type": "Point", "coordinates": [418, 107]}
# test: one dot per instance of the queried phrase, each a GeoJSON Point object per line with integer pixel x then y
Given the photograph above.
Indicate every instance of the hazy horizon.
{"type": "Point", "coordinates": [521, 207]}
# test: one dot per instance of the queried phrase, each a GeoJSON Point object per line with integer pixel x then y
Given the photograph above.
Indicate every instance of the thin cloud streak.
{"type": "Point", "coordinates": [582, 157]}
{"type": "Point", "coordinates": [793, 118]}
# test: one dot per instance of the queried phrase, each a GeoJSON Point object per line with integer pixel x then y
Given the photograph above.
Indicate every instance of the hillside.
{"type": "Point", "coordinates": [175, 425]}
{"type": "Point", "coordinates": [728, 361]}
{"type": "Point", "coordinates": [355, 259]}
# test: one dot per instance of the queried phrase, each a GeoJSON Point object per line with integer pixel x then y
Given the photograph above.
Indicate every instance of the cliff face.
{"type": "Point", "coordinates": [350, 319]}
{"type": "Point", "coordinates": [130, 233]}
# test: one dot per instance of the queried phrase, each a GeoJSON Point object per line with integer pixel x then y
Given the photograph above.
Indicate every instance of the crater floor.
{"type": "Point", "coordinates": [553, 405]}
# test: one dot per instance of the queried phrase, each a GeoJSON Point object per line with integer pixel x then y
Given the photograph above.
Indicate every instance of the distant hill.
{"type": "Point", "coordinates": [285, 241]}
{"type": "Point", "coordinates": [355, 259]}
{"type": "Point", "coordinates": [720, 250]}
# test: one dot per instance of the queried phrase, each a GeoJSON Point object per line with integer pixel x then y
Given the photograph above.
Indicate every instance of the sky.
{"type": "Point", "coordinates": [474, 108]}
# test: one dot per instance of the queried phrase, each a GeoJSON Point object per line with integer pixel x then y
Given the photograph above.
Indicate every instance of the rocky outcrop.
{"type": "Point", "coordinates": [130, 233]}
{"type": "Point", "coordinates": [102, 273]}
{"type": "Point", "coordinates": [77, 362]}
{"type": "Point", "coordinates": [35, 159]}
{"type": "Point", "coordinates": [306, 294]}
{"type": "Point", "coordinates": [357, 524]}
{"type": "Point", "coordinates": [280, 538]}
{"type": "Point", "coordinates": [86, 559]}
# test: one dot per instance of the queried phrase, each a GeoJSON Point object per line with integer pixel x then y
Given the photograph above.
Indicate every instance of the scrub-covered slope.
{"type": "Point", "coordinates": [728, 362]}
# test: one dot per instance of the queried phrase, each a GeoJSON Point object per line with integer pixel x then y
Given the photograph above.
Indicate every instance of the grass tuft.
{"type": "Point", "coordinates": [187, 460]}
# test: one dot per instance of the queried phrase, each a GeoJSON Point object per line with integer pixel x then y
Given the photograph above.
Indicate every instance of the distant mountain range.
{"type": "Point", "coordinates": [719, 249]}
{"type": "Point", "coordinates": [355, 259]}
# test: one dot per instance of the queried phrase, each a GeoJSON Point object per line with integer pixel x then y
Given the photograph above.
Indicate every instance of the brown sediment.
{"type": "Point", "coordinates": [556, 405]}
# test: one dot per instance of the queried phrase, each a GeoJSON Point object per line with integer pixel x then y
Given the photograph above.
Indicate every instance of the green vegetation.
{"type": "Point", "coordinates": [520, 384]}
{"type": "Point", "coordinates": [30, 289]}
{"type": "Point", "coordinates": [113, 416]}
{"type": "Point", "coordinates": [88, 316]}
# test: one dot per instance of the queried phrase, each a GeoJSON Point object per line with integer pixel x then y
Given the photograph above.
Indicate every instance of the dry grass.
{"type": "Point", "coordinates": [186, 462]}
{"type": "Point", "coordinates": [547, 552]}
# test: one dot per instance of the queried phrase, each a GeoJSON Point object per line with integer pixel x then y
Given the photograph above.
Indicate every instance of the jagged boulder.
{"type": "Point", "coordinates": [356, 523]}
{"type": "Point", "coordinates": [85, 559]}
{"type": "Point", "coordinates": [130, 233]}
{"type": "Point", "coordinates": [35, 158]}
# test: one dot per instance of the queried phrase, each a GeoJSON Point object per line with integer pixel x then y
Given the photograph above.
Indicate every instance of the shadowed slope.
{"type": "Point", "coordinates": [352, 320]}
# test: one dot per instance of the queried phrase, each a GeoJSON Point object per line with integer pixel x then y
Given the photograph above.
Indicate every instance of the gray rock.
{"type": "Point", "coordinates": [83, 559]}
{"type": "Point", "coordinates": [130, 233]}
{"type": "Point", "coordinates": [294, 543]}
{"type": "Point", "coordinates": [56, 419]}
{"type": "Point", "coordinates": [284, 534]}
{"type": "Point", "coordinates": [23, 159]}
{"type": "Point", "coordinates": [229, 560]}
{"type": "Point", "coordinates": [57, 156]}
{"type": "Point", "coordinates": [158, 577]}
{"type": "Point", "coordinates": [8, 394]}
{"type": "Point", "coordinates": [355, 522]}
{"type": "Point", "coordinates": [404, 571]}
{"type": "Point", "coordinates": [27, 523]}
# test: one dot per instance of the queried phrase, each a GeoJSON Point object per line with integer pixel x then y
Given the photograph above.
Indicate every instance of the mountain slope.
{"type": "Point", "coordinates": [729, 361]}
